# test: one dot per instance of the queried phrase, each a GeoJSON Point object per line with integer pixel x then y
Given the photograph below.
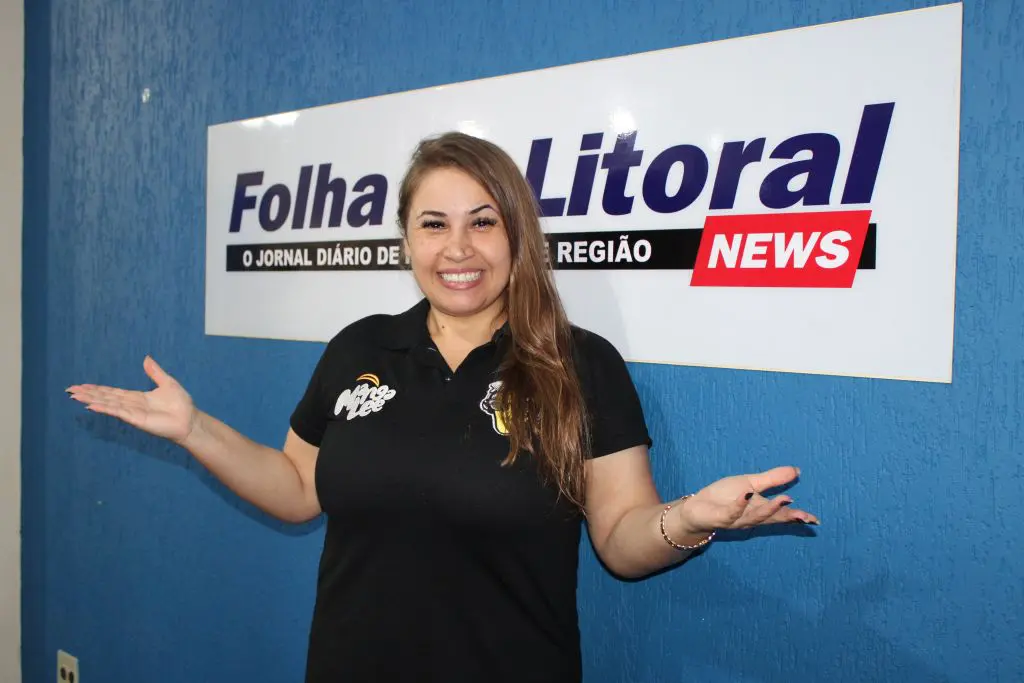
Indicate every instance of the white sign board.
{"type": "Point", "coordinates": [781, 202]}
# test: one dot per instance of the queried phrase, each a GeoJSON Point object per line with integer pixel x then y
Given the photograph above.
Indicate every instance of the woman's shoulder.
{"type": "Point", "coordinates": [382, 331]}
{"type": "Point", "coordinates": [593, 347]}
{"type": "Point", "coordinates": [587, 338]}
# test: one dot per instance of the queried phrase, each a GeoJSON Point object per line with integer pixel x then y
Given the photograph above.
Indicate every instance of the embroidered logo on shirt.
{"type": "Point", "coordinates": [364, 398]}
{"type": "Point", "coordinates": [489, 405]}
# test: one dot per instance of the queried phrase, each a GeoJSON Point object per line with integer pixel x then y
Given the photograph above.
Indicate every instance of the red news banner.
{"type": "Point", "coordinates": [816, 249]}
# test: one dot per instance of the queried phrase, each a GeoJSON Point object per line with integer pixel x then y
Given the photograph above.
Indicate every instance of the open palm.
{"type": "Point", "coordinates": [736, 502]}
{"type": "Point", "coordinates": [166, 411]}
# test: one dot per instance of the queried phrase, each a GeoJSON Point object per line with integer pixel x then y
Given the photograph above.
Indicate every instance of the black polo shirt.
{"type": "Point", "coordinates": [439, 564]}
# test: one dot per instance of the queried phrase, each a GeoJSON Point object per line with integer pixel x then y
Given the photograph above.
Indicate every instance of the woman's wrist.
{"type": "Point", "coordinates": [679, 530]}
{"type": "Point", "coordinates": [191, 440]}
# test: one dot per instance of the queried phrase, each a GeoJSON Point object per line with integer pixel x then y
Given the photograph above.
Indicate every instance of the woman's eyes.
{"type": "Point", "coordinates": [481, 223]}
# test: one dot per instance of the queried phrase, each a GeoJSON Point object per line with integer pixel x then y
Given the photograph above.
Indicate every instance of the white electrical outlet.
{"type": "Point", "coordinates": [67, 668]}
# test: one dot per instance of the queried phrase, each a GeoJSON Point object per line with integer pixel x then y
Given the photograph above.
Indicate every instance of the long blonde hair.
{"type": "Point", "coordinates": [540, 396]}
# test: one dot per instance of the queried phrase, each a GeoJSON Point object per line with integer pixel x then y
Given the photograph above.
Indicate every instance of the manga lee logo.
{"type": "Point", "coordinates": [368, 396]}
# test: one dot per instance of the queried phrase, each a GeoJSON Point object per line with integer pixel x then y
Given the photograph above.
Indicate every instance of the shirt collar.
{"type": "Point", "coordinates": [409, 329]}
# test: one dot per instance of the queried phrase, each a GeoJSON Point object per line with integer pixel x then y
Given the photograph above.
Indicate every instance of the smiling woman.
{"type": "Point", "coordinates": [459, 250]}
{"type": "Point", "coordinates": [473, 236]}
{"type": "Point", "coordinates": [457, 449]}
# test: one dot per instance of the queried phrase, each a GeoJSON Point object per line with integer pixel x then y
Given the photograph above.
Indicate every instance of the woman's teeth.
{"type": "Point", "coordinates": [461, 277]}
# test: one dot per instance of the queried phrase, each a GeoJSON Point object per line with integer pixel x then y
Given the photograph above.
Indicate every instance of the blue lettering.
{"type": "Point", "coordinates": [818, 164]}
{"type": "Point", "coordinates": [820, 171]}
{"type": "Point", "coordinates": [270, 221]}
{"type": "Point", "coordinates": [276, 205]}
{"type": "Point", "coordinates": [325, 185]}
{"type": "Point", "coordinates": [734, 158]}
{"type": "Point", "coordinates": [242, 199]}
{"type": "Point", "coordinates": [536, 170]}
{"type": "Point", "coordinates": [299, 217]}
{"type": "Point", "coordinates": [369, 208]}
{"type": "Point", "coordinates": [867, 153]}
{"type": "Point", "coordinates": [583, 179]}
{"type": "Point", "coordinates": [618, 162]}
{"type": "Point", "coordinates": [813, 158]}
{"type": "Point", "coordinates": [695, 175]}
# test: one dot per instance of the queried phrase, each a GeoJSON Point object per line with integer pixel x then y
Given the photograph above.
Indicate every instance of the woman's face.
{"type": "Point", "coordinates": [457, 244]}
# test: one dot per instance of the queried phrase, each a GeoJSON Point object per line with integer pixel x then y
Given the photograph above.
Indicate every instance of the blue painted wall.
{"type": "Point", "coordinates": [135, 560]}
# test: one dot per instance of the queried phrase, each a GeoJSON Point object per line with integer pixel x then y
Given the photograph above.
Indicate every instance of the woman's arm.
{"type": "Point", "coordinates": [280, 482]}
{"type": "Point", "coordinates": [624, 511]}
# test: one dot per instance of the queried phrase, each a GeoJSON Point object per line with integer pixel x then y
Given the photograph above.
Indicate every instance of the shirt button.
{"type": "Point", "coordinates": [447, 378]}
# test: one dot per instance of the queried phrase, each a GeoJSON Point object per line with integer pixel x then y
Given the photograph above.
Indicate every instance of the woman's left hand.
{"type": "Point", "coordinates": [736, 503]}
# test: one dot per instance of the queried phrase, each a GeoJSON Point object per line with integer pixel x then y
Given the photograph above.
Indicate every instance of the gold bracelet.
{"type": "Point", "coordinates": [664, 534]}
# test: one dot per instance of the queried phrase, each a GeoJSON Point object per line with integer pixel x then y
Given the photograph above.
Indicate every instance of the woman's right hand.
{"type": "Point", "coordinates": [166, 411]}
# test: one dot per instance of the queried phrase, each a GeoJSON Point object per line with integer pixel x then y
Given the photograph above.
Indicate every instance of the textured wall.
{"type": "Point", "coordinates": [12, 82]}
{"type": "Point", "coordinates": [134, 558]}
